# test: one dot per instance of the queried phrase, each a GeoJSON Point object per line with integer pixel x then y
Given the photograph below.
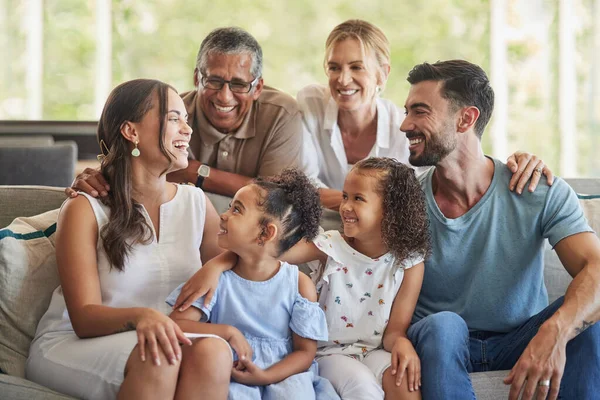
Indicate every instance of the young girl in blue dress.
{"type": "Point", "coordinates": [368, 280]}
{"type": "Point", "coordinates": [264, 308]}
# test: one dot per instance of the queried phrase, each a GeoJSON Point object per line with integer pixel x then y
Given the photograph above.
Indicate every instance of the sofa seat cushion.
{"type": "Point", "coordinates": [28, 276]}
{"type": "Point", "coordinates": [490, 385]}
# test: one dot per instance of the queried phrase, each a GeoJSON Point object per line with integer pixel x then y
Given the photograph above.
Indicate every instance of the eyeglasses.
{"type": "Point", "coordinates": [234, 86]}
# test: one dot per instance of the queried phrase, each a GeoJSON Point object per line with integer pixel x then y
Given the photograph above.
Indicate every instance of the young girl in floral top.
{"type": "Point", "coordinates": [368, 280]}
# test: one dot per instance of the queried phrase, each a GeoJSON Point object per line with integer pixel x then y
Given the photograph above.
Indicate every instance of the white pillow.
{"type": "Point", "coordinates": [28, 276]}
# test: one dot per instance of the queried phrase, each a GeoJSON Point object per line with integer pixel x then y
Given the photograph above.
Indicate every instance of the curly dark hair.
{"type": "Point", "coordinates": [291, 199]}
{"type": "Point", "coordinates": [405, 226]}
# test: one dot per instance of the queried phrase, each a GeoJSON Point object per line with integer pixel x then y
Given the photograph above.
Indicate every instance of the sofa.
{"type": "Point", "coordinates": [37, 160]}
{"type": "Point", "coordinates": [28, 276]}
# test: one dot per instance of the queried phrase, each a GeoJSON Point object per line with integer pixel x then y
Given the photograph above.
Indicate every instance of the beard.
{"type": "Point", "coordinates": [436, 148]}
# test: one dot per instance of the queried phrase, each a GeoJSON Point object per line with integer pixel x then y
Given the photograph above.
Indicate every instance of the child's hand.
{"type": "Point", "coordinates": [405, 358]}
{"type": "Point", "coordinates": [238, 342]}
{"type": "Point", "coordinates": [204, 281]}
{"type": "Point", "coordinates": [246, 372]}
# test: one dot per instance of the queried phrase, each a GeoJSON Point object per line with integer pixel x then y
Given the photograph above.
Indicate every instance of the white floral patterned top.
{"type": "Point", "coordinates": [356, 292]}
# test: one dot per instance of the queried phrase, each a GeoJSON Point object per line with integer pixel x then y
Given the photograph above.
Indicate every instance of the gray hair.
{"type": "Point", "coordinates": [230, 40]}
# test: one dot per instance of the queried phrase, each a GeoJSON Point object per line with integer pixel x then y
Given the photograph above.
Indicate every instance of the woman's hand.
{"type": "Point", "coordinates": [405, 359]}
{"type": "Point", "coordinates": [205, 281]}
{"type": "Point", "coordinates": [239, 344]}
{"type": "Point", "coordinates": [525, 166]}
{"type": "Point", "coordinates": [246, 372]}
{"type": "Point", "coordinates": [89, 181]}
{"type": "Point", "coordinates": [154, 328]}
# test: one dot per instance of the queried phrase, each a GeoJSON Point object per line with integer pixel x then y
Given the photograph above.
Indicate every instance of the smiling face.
{"type": "Point", "coordinates": [176, 136]}
{"type": "Point", "coordinates": [352, 75]}
{"type": "Point", "coordinates": [430, 124]}
{"type": "Point", "coordinates": [362, 206]}
{"type": "Point", "coordinates": [224, 109]}
{"type": "Point", "coordinates": [240, 224]}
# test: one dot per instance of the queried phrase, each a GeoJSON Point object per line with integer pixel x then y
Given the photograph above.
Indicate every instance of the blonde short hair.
{"type": "Point", "coordinates": [371, 39]}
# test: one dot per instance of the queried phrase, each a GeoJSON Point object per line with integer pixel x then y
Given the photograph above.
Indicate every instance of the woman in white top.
{"type": "Point", "coordinates": [349, 121]}
{"type": "Point", "coordinates": [106, 333]}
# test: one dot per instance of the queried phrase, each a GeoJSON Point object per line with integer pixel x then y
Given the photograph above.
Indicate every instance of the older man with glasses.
{"type": "Point", "coordinates": [241, 128]}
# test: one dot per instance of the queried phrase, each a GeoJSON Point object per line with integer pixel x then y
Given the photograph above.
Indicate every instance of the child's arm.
{"type": "Point", "coordinates": [404, 356]}
{"type": "Point", "coordinates": [205, 281]}
{"type": "Point", "coordinates": [303, 252]}
{"type": "Point", "coordinates": [297, 361]}
{"type": "Point", "coordinates": [189, 322]}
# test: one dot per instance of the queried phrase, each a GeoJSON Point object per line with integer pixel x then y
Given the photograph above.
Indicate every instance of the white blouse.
{"type": "Point", "coordinates": [324, 159]}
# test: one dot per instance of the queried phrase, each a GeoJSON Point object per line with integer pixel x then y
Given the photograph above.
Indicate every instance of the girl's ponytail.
{"type": "Point", "coordinates": [294, 201]}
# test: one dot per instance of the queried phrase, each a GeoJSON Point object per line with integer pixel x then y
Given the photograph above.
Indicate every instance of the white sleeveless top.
{"type": "Point", "coordinates": [152, 270]}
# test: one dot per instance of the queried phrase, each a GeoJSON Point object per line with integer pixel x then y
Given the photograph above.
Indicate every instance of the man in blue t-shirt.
{"type": "Point", "coordinates": [483, 305]}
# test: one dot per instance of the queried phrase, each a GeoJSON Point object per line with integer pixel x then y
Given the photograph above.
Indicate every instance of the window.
{"type": "Point", "coordinates": [62, 57]}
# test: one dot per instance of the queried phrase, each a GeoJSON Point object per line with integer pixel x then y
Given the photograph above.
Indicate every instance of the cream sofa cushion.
{"type": "Point", "coordinates": [28, 276]}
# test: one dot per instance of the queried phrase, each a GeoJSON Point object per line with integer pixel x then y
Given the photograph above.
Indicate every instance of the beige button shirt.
{"type": "Point", "coordinates": [269, 139]}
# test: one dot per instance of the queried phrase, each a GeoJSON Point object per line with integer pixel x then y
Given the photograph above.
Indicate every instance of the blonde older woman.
{"type": "Point", "coordinates": [349, 120]}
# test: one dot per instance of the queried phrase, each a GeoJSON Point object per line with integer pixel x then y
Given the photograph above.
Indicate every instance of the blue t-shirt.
{"type": "Point", "coordinates": [488, 265]}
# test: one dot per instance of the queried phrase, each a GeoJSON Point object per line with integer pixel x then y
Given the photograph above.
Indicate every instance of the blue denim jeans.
{"type": "Point", "coordinates": [449, 352]}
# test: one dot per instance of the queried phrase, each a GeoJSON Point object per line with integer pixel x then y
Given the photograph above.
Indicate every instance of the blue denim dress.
{"type": "Point", "coordinates": [266, 313]}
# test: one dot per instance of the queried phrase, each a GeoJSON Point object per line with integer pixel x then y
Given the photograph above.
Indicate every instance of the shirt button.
{"type": "Point", "coordinates": [225, 153]}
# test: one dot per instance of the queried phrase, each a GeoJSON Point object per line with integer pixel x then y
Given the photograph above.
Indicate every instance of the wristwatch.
{"type": "Point", "coordinates": [203, 172]}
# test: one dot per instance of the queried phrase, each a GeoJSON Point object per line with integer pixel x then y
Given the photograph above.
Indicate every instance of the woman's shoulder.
{"type": "Point", "coordinates": [313, 93]}
{"type": "Point", "coordinates": [188, 210]}
{"type": "Point", "coordinates": [313, 90]}
{"type": "Point", "coordinates": [394, 112]}
{"type": "Point", "coordinates": [190, 193]}
{"type": "Point", "coordinates": [85, 206]}
{"type": "Point", "coordinates": [82, 204]}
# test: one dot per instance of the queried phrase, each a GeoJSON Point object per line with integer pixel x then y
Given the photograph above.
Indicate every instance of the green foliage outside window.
{"type": "Point", "coordinates": [160, 39]}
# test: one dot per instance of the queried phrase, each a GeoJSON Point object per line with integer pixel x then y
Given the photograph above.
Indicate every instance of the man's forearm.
{"type": "Point", "coordinates": [224, 183]}
{"type": "Point", "coordinates": [581, 307]}
{"type": "Point", "coordinates": [330, 198]}
{"type": "Point", "coordinates": [219, 182]}
{"type": "Point", "coordinates": [188, 326]}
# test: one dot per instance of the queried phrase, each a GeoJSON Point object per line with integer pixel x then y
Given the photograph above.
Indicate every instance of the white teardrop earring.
{"type": "Point", "coordinates": [135, 152]}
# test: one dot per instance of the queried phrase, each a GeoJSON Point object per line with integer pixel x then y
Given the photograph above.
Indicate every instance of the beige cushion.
{"type": "Point", "coordinates": [556, 277]}
{"type": "Point", "coordinates": [26, 201]}
{"type": "Point", "coordinates": [28, 276]}
{"type": "Point", "coordinates": [591, 209]}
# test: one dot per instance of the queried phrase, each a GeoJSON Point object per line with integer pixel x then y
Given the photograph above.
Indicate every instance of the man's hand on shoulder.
{"type": "Point", "coordinates": [89, 181]}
